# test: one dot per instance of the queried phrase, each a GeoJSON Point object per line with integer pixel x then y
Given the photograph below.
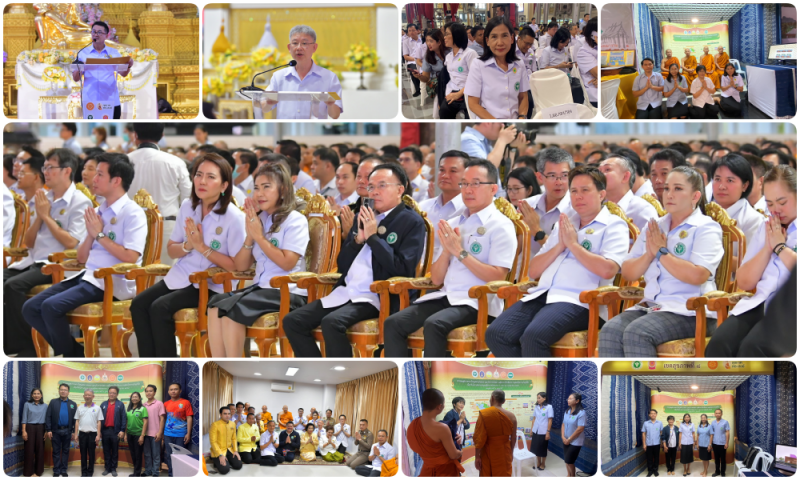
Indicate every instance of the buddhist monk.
{"type": "Point", "coordinates": [494, 438]}
{"type": "Point", "coordinates": [707, 60]}
{"type": "Point", "coordinates": [285, 417]}
{"type": "Point", "coordinates": [689, 65]}
{"type": "Point", "coordinates": [667, 61]}
{"type": "Point", "coordinates": [432, 440]}
{"type": "Point", "coordinates": [721, 59]}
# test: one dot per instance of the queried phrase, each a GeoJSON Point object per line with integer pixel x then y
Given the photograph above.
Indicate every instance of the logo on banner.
{"type": "Point", "coordinates": [652, 365]}
{"type": "Point", "coordinates": [90, 106]}
{"type": "Point", "coordinates": [105, 117]}
{"type": "Point", "coordinates": [637, 365]}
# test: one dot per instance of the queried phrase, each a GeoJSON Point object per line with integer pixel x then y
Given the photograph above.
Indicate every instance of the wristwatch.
{"type": "Point", "coordinates": [462, 255]}
{"type": "Point", "coordinates": [539, 235]}
{"type": "Point", "coordinates": [100, 236]}
{"type": "Point", "coordinates": [661, 251]}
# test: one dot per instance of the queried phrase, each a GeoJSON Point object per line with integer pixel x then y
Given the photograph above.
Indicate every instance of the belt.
{"type": "Point", "coordinates": [171, 218]}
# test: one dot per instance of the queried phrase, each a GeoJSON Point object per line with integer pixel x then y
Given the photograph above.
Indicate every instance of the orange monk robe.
{"type": "Point", "coordinates": [493, 434]}
{"type": "Point", "coordinates": [690, 62]}
{"type": "Point", "coordinates": [711, 68]}
{"type": "Point", "coordinates": [667, 63]}
{"type": "Point", "coordinates": [265, 417]}
{"type": "Point", "coordinates": [285, 417]}
{"type": "Point", "coordinates": [722, 60]}
{"type": "Point", "coordinates": [436, 462]}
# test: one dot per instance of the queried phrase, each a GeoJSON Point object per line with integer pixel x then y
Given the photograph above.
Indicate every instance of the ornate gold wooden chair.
{"type": "Point", "coordinates": [16, 251]}
{"type": "Point", "coordinates": [652, 200]}
{"type": "Point", "coordinates": [82, 188]}
{"type": "Point", "coordinates": [94, 317]}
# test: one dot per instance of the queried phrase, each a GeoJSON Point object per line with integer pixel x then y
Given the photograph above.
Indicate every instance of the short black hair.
{"type": "Point", "coordinates": [527, 160]}
{"type": "Point", "coordinates": [551, 25]}
{"type": "Point", "coordinates": [249, 158]}
{"type": "Point", "coordinates": [150, 132]}
{"type": "Point", "coordinates": [431, 399]}
{"type": "Point", "coordinates": [673, 156]}
{"type": "Point", "coordinates": [155, 389]}
{"type": "Point", "coordinates": [66, 159]}
{"type": "Point", "coordinates": [561, 35]}
{"type": "Point", "coordinates": [415, 152]}
{"type": "Point", "coordinates": [364, 420]}
{"type": "Point", "coordinates": [8, 164]}
{"type": "Point", "coordinates": [526, 32]}
{"type": "Point", "coordinates": [474, 30]}
{"type": "Point", "coordinates": [113, 387]}
{"type": "Point", "coordinates": [397, 171]}
{"type": "Point", "coordinates": [71, 127]}
{"type": "Point", "coordinates": [598, 178]}
{"type": "Point", "coordinates": [102, 24]}
{"type": "Point", "coordinates": [682, 147]}
{"type": "Point", "coordinates": [740, 167]}
{"type": "Point", "coordinates": [353, 167]}
{"type": "Point", "coordinates": [750, 148]}
{"type": "Point", "coordinates": [699, 67]}
{"type": "Point", "coordinates": [63, 385]}
{"type": "Point", "coordinates": [602, 153]}
{"type": "Point", "coordinates": [222, 409]}
{"type": "Point", "coordinates": [343, 415]}
{"type": "Point", "coordinates": [653, 410]}
{"type": "Point", "coordinates": [175, 383]}
{"type": "Point", "coordinates": [36, 163]}
{"type": "Point", "coordinates": [491, 170]}
{"type": "Point", "coordinates": [459, 34]}
{"type": "Point", "coordinates": [291, 163]}
{"type": "Point", "coordinates": [356, 151]}
{"type": "Point", "coordinates": [458, 399]}
{"type": "Point", "coordinates": [783, 158]}
{"type": "Point", "coordinates": [327, 155]}
{"type": "Point", "coordinates": [647, 59]}
{"type": "Point", "coordinates": [119, 166]}
{"type": "Point", "coordinates": [759, 167]}
{"type": "Point", "coordinates": [671, 417]}
{"type": "Point", "coordinates": [511, 55]}
{"type": "Point", "coordinates": [392, 150]}
{"type": "Point", "coordinates": [239, 403]}
{"type": "Point", "coordinates": [290, 148]}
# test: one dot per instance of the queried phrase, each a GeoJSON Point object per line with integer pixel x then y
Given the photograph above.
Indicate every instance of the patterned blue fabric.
{"type": "Point", "coordinates": [19, 378]}
{"type": "Point", "coordinates": [756, 412]}
{"type": "Point", "coordinates": [648, 35]}
{"type": "Point", "coordinates": [786, 393]}
{"type": "Point", "coordinates": [414, 384]}
{"type": "Point", "coordinates": [564, 378]}
{"type": "Point", "coordinates": [747, 35]}
{"type": "Point", "coordinates": [187, 374]}
{"type": "Point", "coordinates": [13, 456]}
{"type": "Point", "coordinates": [626, 402]}
{"type": "Point", "coordinates": [642, 393]}
{"type": "Point", "coordinates": [622, 425]}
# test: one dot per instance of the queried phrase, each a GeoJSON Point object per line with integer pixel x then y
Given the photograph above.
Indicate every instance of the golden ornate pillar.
{"type": "Point", "coordinates": [186, 98]}
{"type": "Point", "coordinates": [187, 41]}
{"type": "Point", "coordinates": [157, 32]}
{"type": "Point", "coordinates": [19, 32]}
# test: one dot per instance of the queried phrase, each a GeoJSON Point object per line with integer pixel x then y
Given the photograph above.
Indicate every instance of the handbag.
{"type": "Point", "coordinates": [342, 448]}
{"type": "Point", "coordinates": [389, 467]}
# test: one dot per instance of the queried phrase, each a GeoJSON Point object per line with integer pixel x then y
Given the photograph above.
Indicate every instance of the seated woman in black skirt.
{"type": "Point", "coordinates": [675, 89]}
{"type": "Point", "coordinates": [276, 239]}
{"type": "Point", "coordinates": [572, 431]}
{"type": "Point", "coordinates": [688, 442]}
{"type": "Point", "coordinates": [704, 442]}
{"type": "Point", "coordinates": [732, 84]}
{"type": "Point", "coordinates": [208, 232]}
{"type": "Point", "coordinates": [540, 430]}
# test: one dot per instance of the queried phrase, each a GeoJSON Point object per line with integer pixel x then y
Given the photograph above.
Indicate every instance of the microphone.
{"type": "Point", "coordinates": [78, 62]}
{"type": "Point", "coordinates": [253, 88]}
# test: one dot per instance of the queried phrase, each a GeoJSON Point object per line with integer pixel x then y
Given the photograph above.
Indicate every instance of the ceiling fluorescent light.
{"type": "Point", "coordinates": [256, 373]}
{"type": "Point", "coordinates": [339, 368]}
{"type": "Point", "coordinates": [291, 371]}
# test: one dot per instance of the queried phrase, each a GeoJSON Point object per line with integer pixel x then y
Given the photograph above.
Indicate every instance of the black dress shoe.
{"type": "Point", "coordinates": [416, 94]}
{"type": "Point", "coordinates": [715, 475]}
{"type": "Point", "coordinates": [649, 474]}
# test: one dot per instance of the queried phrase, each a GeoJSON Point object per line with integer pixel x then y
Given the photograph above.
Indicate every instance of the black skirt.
{"type": "Point", "coordinates": [678, 111]}
{"type": "Point", "coordinates": [539, 445]}
{"type": "Point", "coordinates": [249, 304]}
{"type": "Point", "coordinates": [687, 454]}
{"type": "Point", "coordinates": [571, 454]}
{"type": "Point", "coordinates": [705, 454]}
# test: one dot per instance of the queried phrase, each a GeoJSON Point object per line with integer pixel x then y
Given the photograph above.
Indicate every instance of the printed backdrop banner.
{"type": "Point", "coordinates": [616, 27]}
{"type": "Point", "coordinates": [678, 36]}
{"type": "Point", "coordinates": [475, 381]}
{"type": "Point", "coordinates": [681, 367]}
{"type": "Point", "coordinates": [129, 377]}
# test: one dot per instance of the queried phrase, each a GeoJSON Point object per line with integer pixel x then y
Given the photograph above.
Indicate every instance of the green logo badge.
{"type": "Point", "coordinates": [274, 242]}
{"type": "Point", "coordinates": [476, 248]}
{"type": "Point", "coordinates": [587, 245]}
{"type": "Point", "coordinates": [59, 224]}
{"type": "Point", "coordinates": [516, 86]}
{"type": "Point", "coordinates": [680, 249]}
{"type": "Point", "coordinates": [460, 69]}
{"type": "Point", "coordinates": [215, 244]}
{"type": "Point", "coordinates": [112, 236]}
{"type": "Point", "coordinates": [391, 238]}
{"type": "Point", "coordinates": [637, 364]}
{"type": "Point", "coordinates": [72, 406]}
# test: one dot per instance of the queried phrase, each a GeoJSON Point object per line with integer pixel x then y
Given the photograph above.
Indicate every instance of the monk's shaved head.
{"type": "Point", "coordinates": [499, 396]}
{"type": "Point", "coordinates": [432, 399]}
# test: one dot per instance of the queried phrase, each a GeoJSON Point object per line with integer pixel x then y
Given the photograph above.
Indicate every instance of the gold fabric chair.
{"type": "Point", "coordinates": [652, 200]}
{"type": "Point", "coordinates": [108, 314]}
{"type": "Point", "coordinates": [82, 188]}
{"type": "Point", "coordinates": [16, 251]}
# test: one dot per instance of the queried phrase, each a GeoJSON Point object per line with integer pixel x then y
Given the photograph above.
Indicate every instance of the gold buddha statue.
{"type": "Point", "coordinates": [59, 26]}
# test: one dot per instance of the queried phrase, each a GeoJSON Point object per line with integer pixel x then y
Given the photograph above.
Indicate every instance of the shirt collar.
{"type": "Point", "coordinates": [737, 207]}
{"type": "Point", "coordinates": [416, 180]}
{"type": "Point", "coordinates": [315, 70]}
{"type": "Point", "coordinates": [484, 215]}
{"type": "Point", "coordinates": [331, 184]}
{"type": "Point", "coordinates": [105, 47]}
{"type": "Point", "coordinates": [213, 212]}
{"type": "Point", "coordinates": [478, 135]}
{"type": "Point", "coordinates": [562, 206]}
{"type": "Point", "coordinates": [384, 214]}
{"type": "Point", "coordinates": [457, 201]}
{"type": "Point", "coordinates": [117, 206]}
{"type": "Point", "coordinates": [625, 201]}
{"type": "Point", "coordinates": [67, 197]}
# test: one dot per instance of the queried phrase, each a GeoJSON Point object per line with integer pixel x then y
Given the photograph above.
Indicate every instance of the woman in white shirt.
{"type": "Point", "coordinates": [540, 429]}
{"type": "Point", "coordinates": [457, 63]}
{"type": "Point", "coordinates": [732, 84]}
{"type": "Point", "coordinates": [328, 445]}
{"type": "Point", "coordinates": [586, 57]}
{"type": "Point", "coordinates": [770, 258]}
{"type": "Point", "coordinates": [556, 54]}
{"type": "Point", "coordinates": [678, 256]}
{"type": "Point", "coordinates": [675, 88]}
{"type": "Point", "coordinates": [276, 239]}
{"type": "Point", "coordinates": [703, 105]}
{"type": "Point", "coordinates": [732, 184]}
{"type": "Point", "coordinates": [688, 443]}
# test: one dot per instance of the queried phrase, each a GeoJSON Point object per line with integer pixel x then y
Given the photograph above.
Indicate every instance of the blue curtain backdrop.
{"type": "Point", "coordinates": [648, 35]}
{"type": "Point", "coordinates": [564, 378]}
{"type": "Point", "coordinates": [756, 411]}
{"type": "Point", "coordinates": [18, 380]}
{"type": "Point", "coordinates": [628, 405]}
{"type": "Point", "coordinates": [747, 30]}
{"type": "Point", "coordinates": [786, 393]}
{"type": "Point", "coordinates": [188, 375]}
{"type": "Point", "coordinates": [414, 384]}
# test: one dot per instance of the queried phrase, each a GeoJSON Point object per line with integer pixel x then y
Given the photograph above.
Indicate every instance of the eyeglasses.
{"type": "Point", "coordinates": [474, 184]}
{"type": "Point", "coordinates": [99, 32]}
{"type": "Point", "coordinates": [552, 176]}
{"type": "Point", "coordinates": [47, 168]}
{"type": "Point", "coordinates": [515, 189]}
{"type": "Point", "coordinates": [381, 186]}
{"type": "Point", "coordinates": [304, 44]}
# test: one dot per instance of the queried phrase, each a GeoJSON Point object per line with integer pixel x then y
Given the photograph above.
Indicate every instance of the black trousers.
{"type": "Point", "coordinates": [671, 453]}
{"type": "Point", "coordinates": [118, 112]}
{"type": "Point", "coordinates": [437, 317]}
{"type": "Point", "coordinates": [299, 325]}
{"type": "Point", "coordinates": [16, 285]}
{"type": "Point", "coordinates": [34, 450]}
{"type": "Point", "coordinates": [730, 106]}
{"type": "Point", "coordinates": [530, 105]}
{"type": "Point", "coordinates": [719, 458]}
{"type": "Point", "coordinates": [652, 113]}
{"type": "Point", "coordinates": [136, 453]}
{"type": "Point", "coordinates": [110, 448]}
{"type": "Point", "coordinates": [151, 313]}
{"type": "Point", "coordinates": [60, 442]}
{"type": "Point", "coordinates": [678, 111]}
{"type": "Point", "coordinates": [728, 338]}
{"type": "Point", "coordinates": [271, 460]}
{"type": "Point", "coordinates": [231, 462]}
{"type": "Point", "coordinates": [651, 454]}
{"type": "Point", "coordinates": [367, 471]}
{"type": "Point", "coordinates": [415, 81]}
{"type": "Point", "coordinates": [253, 456]}
{"type": "Point", "coordinates": [87, 445]}
{"type": "Point", "coordinates": [708, 111]}
{"type": "Point", "coordinates": [448, 111]}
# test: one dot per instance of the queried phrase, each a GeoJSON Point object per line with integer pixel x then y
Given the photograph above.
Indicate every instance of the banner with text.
{"type": "Point", "coordinates": [128, 376]}
{"type": "Point", "coordinates": [680, 367]}
{"type": "Point", "coordinates": [695, 36]}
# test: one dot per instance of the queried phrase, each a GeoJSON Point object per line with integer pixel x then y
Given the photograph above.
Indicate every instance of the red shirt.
{"type": "Point", "coordinates": [110, 414]}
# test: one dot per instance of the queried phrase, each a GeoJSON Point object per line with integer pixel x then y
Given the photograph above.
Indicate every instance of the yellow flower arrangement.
{"type": "Point", "coordinates": [54, 75]}
{"type": "Point", "coordinates": [361, 57]}
{"type": "Point", "coordinates": [217, 60]}
{"type": "Point", "coordinates": [213, 86]}
{"type": "Point", "coordinates": [236, 70]}
{"type": "Point", "coordinates": [265, 57]}
{"type": "Point", "coordinates": [48, 57]}
{"type": "Point", "coordinates": [139, 55]}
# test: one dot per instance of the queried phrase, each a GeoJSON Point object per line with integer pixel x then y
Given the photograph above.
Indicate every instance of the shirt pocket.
{"type": "Point", "coordinates": [478, 246]}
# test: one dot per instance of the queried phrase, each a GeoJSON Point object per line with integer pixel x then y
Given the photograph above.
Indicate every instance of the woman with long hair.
{"type": "Point", "coordinates": [540, 429]}
{"type": "Point", "coordinates": [433, 61]}
{"type": "Point", "coordinates": [457, 62]}
{"type": "Point", "coordinates": [276, 239]}
{"type": "Point", "coordinates": [688, 443]}
{"type": "Point", "coordinates": [99, 137]}
{"type": "Point", "coordinates": [556, 54]}
{"type": "Point", "coordinates": [521, 184]}
{"type": "Point", "coordinates": [33, 419]}
{"type": "Point", "coordinates": [675, 89]}
{"type": "Point", "coordinates": [212, 234]}
{"type": "Point", "coordinates": [572, 431]}
{"type": "Point", "coordinates": [704, 442]}
{"type": "Point", "coordinates": [498, 81]}
{"type": "Point", "coordinates": [134, 434]}
{"type": "Point", "coordinates": [731, 84]}
{"type": "Point", "coordinates": [678, 256]}
{"type": "Point", "coordinates": [586, 56]}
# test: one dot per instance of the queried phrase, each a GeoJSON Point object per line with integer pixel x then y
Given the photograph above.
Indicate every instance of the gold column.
{"type": "Point", "coordinates": [187, 45]}
{"type": "Point", "coordinates": [186, 98]}
{"type": "Point", "coordinates": [157, 32]}
{"type": "Point", "coordinates": [19, 32]}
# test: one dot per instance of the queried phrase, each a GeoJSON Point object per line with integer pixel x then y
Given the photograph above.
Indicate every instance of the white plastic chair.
{"type": "Point", "coordinates": [549, 88]}
{"type": "Point", "coordinates": [738, 68]}
{"type": "Point", "coordinates": [576, 73]}
{"type": "Point", "coordinates": [584, 112]}
{"type": "Point", "coordinates": [608, 97]}
{"type": "Point", "coordinates": [472, 116]}
{"type": "Point", "coordinates": [520, 455]}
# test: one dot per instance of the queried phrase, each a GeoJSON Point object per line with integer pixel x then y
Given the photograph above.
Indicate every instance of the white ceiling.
{"type": "Point", "coordinates": [683, 384]}
{"type": "Point", "coordinates": [703, 12]}
{"type": "Point", "coordinates": [309, 370]}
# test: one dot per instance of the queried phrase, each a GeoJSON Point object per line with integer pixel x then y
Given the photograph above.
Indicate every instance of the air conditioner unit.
{"type": "Point", "coordinates": [282, 387]}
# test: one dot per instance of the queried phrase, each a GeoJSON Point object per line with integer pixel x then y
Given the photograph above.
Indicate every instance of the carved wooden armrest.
{"type": "Point", "coordinates": [511, 291]}
{"type": "Point", "coordinates": [59, 257]}
{"type": "Point", "coordinates": [226, 276]}
{"type": "Point", "coordinates": [118, 269]}
{"type": "Point", "coordinates": [608, 294]}
{"type": "Point", "coordinates": [491, 287]}
{"type": "Point", "coordinates": [205, 275]}
{"type": "Point", "coordinates": [696, 303]}
{"type": "Point", "coordinates": [727, 301]}
{"type": "Point", "coordinates": [321, 279]}
{"type": "Point", "coordinates": [15, 252]}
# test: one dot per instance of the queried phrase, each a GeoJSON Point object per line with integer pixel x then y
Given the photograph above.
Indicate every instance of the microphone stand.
{"type": "Point", "coordinates": [252, 87]}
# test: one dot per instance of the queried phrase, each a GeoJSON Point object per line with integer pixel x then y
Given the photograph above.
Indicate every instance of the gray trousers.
{"type": "Point", "coordinates": [357, 459]}
{"type": "Point", "coordinates": [152, 456]}
{"type": "Point", "coordinates": [636, 333]}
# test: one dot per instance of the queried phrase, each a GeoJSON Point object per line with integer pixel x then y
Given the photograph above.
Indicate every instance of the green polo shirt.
{"type": "Point", "coordinates": [136, 420]}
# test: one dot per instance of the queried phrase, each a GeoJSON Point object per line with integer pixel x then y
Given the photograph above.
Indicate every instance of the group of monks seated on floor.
{"type": "Point", "coordinates": [714, 64]}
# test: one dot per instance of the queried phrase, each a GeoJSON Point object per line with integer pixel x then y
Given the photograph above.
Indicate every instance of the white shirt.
{"type": "Point", "coordinates": [164, 176]}
{"type": "Point", "coordinates": [540, 418]}
{"type": "Point", "coordinates": [565, 278]}
{"type": "Point", "coordinates": [544, 40]}
{"type": "Point", "coordinates": [324, 448]}
{"type": "Point", "coordinates": [529, 59]}
{"type": "Point", "coordinates": [247, 185]}
{"type": "Point", "coordinates": [710, 191]}
{"type": "Point", "coordinates": [701, 96]}
{"type": "Point", "coordinates": [343, 202]}
{"type": "Point", "coordinates": [458, 68]}
{"type": "Point", "coordinates": [9, 216]}
{"type": "Point", "coordinates": [687, 433]}
{"type": "Point", "coordinates": [318, 79]}
{"type": "Point", "coordinates": [586, 57]}
{"type": "Point", "coordinates": [304, 180]}
{"type": "Point", "coordinates": [410, 47]}
{"type": "Point", "coordinates": [701, 244]}
{"type": "Point", "coordinates": [673, 440]}
{"type": "Point", "coordinates": [68, 212]}
{"type": "Point", "coordinates": [420, 187]}
{"type": "Point", "coordinates": [268, 441]}
{"type": "Point", "coordinates": [292, 236]}
{"type": "Point", "coordinates": [747, 219]}
{"type": "Point", "coordinates": [436, 211]}
{"type": "Point", "coordinates": [88, 417]}
{"type": "Point", "coordinates": [547, 219]}
{"type": "Point", "coordinates": [774, 276]}
{"type": "Point", "coordinates": [552, 57]}
{"type": "Point", "coordinates": [646, 189]}
{"type": "Point", "coordinates": [761, 205]}
{"type": "Point", "coordinates": [224, 233]}
{"type": "Point", "coordinates": [329, 190]}
{"type": "Point", "coordinates": [387, 452]}
{"type": "Point", "coordinates": [637, 209]}
{"type": "Point", "coordinates": [239, 196]}
{"type": "Point", "coordinates": [339, 433]}
{"type": "Point", "coordinates": [495, 244]}
{"type": "Point", "coordinates": [72, 144]}
{"type": "Point", "coordinates": [729, 90]}
{"type": "Point", "coordinates": [650, 97]}
{"type": "Point", "coordinates": [101, 83]}
{"type": "Point", "coordinates": [129, 229]}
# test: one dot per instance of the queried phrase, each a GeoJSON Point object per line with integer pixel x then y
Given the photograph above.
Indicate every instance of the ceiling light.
{"type": "Point", "coordinates": [695, 387]}
{"type": "Point", "coordinates": [694, 20]}
{"type": "Point", "coordinates": [256, 373]}
{"type": "Point", "coordinates": [317, 380]}
{"type": "Point", "coordinates": [291, 371]}
{"type": "Point", "coordinates": [339, 368]}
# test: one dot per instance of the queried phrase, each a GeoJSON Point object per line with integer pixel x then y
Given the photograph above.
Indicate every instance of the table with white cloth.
{"type": "Point", "coordinates": [34, 93]}
{"type": "Point", "coordinates": [773, 89]}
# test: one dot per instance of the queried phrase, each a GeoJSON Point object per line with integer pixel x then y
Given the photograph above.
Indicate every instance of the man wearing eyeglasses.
{"type": "Point", "coordinates": [306, 76]}
{"type": "Point", "coordinates": [101, 84]}
{"type": "Point", "coordinates": [477, 247]}
{"type": "Point", "coordinates": [385, 241]}
{"type": "Point", "coordinates": [57, 224]}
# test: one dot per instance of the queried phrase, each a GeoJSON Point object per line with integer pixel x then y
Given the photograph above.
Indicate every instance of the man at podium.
{"type": "Point", "coordinates": [101, 83]}
{"type": "Point", "coordinates": [306, 76]}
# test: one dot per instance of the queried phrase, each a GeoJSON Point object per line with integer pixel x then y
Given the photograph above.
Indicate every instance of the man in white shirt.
{"type": "Point", "coordinates": [478, 42]}
{"type": "Point", "coordinates": [67, 133]}
{"type": "Point", "coordinates": [346, 185]}
{"type": "Point", "coordinates": [584, 20]}
{"type": "Point", "coordinates": [544, 40]}
{"type": "Point", "coordinates": [620, 172]}
{"type": "Point", "coordinates": [163, 175]}
{"type": "Point", "coordinates": [88, 419]}
{"type": "Point", "coordinates": [449, 203]}
{"type": "Point", "coordinates": [269, 443]}
{"type": "Point", "coordinates": [101, 84]}
{"type": "Point", "coordinates": [379, 453]}
{"type": "Point", "coordinates": [410, 45]}
{"type": "Point", "coordinates": [411, 161]}
{"type": "Point", "coordinates": [246, 166]}
{"type": "Point", "coordinates": [306, 76]}
{"type": "Point", "coordinates": [323, 169]}
{"type": "Point", "coordinates": [9, 216]}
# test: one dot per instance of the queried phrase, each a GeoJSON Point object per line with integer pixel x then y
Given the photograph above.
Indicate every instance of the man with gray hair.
{"type": "Point", "coordinates": [306, 76]}
{"type": "Point", "coordinates": [541, 212]}
{"type": "Point", "coordinates": [620, 174]}
{"type": "Point", "coordinates": [88, 420]}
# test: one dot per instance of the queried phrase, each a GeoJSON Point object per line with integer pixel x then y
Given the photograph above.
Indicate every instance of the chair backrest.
{"type": "Point", "coordinates": [733, 245]}
{"type": "Point", "coordinates": [469, 112]}
{"type": "Point", "coordinates": [303, 193]}
{"type": "Point", "coordinates": [520, 438]}
{"type": "Point", "coordinates": [549, 88]}
{"type": "Point", "coordinates": [585, 112]}
{"type": "Point", "coordinates": [84, 190]}
{"type": "Point", "coordinates": [652, 200]}
{"type": "Point", "coordinates": [426, 261]}
{"type": "Point", "coordinates": [155, 227]}
{"type": "Point", "coordinates": [609, 90]}
{"type": "Point", "coordinates": [22, 222]}
{"type": "Point", "coordinates": [633, 234]}
{"type": "Point", "coordinates": [325, 238]}
{"type": "Point", "coordinates": [519, 268]}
